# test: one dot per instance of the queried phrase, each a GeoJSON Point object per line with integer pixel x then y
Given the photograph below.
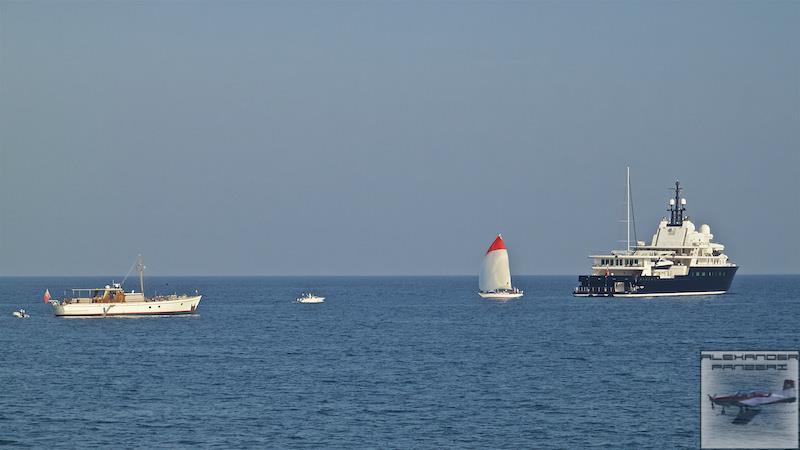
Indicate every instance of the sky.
{"type": "Point", "coordinates": [390, 138]}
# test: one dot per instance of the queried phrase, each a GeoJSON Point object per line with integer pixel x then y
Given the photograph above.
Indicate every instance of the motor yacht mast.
{"type": "Point", "coordinates": [140, 268]}
{"type": "Point", "coordinates": [628, 206]}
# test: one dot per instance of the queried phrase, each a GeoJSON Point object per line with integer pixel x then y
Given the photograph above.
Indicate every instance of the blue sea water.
{"type": "Point", "coordinates": [385, 362]}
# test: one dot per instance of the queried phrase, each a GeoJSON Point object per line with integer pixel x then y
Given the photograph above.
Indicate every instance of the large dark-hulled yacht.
{"type": "Point", "coordinates": [681, 260]}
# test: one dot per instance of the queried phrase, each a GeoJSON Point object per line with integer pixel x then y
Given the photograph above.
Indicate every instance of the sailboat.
{"type": "Point", "coordinates": [494, 280]}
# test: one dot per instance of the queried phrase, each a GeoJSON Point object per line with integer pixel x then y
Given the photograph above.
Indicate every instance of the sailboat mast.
{"type": "Point", "coordinates": [140, 267]}
{"type": "Point", "coordinates": [628, 206]}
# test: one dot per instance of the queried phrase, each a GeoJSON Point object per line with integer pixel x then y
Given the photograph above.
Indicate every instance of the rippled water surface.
{"type": "Point", "coordinates": [398, 362]}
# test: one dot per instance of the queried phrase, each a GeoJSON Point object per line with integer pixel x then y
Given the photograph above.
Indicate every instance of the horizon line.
{"type": "Point", "coordinates": [349, 275]}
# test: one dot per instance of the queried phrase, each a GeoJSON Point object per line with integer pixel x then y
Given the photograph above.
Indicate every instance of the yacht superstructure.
{"type": "Point", "coordinates": [680, 260]}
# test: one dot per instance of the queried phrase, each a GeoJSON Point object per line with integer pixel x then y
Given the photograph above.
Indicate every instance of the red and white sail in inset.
{"type": "Point", "coordinates": [494, 280]}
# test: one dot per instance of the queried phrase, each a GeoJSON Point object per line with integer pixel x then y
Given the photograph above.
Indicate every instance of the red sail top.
{"type": "Point", "coordinates": [498, 244]}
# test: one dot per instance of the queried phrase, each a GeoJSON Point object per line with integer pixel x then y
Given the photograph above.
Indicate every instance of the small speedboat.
{"type": "Point", "coordinates": [310, 298]}
{"type": "Point", "coordinates": [662, 263]}
{"type": "Point", "coordinates": [22, 314]}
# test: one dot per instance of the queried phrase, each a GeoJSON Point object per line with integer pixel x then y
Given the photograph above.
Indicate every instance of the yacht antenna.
{"type": "Point", "coordinates": [140, 268]}
{"type": "Point", "coordinates": [677, 207]}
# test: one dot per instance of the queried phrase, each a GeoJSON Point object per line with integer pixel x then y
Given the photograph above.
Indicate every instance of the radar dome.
{"type": "Point", "coordinates": [689, 225]}
{"type": "Point", "coordinates": [705, 229]}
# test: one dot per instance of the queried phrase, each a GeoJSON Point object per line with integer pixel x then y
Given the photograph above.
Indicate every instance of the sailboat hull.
{"type": "Point", "coordinates": [169, 306]}
{"type": "Point", "coordinates": [500, 295]}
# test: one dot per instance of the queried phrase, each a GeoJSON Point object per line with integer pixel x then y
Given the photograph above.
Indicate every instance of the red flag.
{"type": "Point", "coordinates": [47, 295]}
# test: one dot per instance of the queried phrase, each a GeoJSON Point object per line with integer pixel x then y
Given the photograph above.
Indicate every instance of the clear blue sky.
{"type": "Point", "coordinates": [323, 138]}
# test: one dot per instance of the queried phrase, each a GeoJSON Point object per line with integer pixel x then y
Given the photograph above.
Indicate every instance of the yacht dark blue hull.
{"type": "Point", "coordinates": [699, 281]}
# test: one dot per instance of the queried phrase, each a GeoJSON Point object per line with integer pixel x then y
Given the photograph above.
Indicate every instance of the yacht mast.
{"type": "Point", "coordinates": [628, 206]}
{"type": "Point", "coordinates": [140, 268]}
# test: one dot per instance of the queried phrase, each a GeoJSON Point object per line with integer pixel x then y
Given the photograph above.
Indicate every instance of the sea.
{"type": "Point", "coordinates": [388, 362]}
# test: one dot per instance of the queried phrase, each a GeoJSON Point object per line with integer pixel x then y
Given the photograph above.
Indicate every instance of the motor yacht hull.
{"type": "Point", "coordinates": [168, 306]}
{"type": "Point", "coordinates": [715, 280]}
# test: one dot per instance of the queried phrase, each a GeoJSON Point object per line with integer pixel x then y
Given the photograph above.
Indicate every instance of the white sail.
{"type": "Point", "coordinates": [495, 273]}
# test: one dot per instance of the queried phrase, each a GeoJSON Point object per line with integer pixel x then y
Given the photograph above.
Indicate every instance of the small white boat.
{"type": "Point", "coordinates": [22, 314]}
{"type": "Point", "coordinates": [495, 277]}
{"type": "Point", "coordinates": [310, 298]}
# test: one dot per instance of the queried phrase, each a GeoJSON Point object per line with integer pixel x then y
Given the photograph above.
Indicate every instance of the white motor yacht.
{"type": "Point", "coordinates": [113, 300]}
